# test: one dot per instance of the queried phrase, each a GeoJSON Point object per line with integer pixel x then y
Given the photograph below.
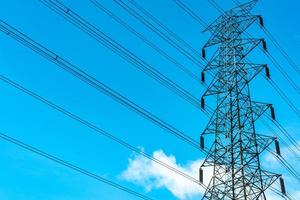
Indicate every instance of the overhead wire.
{"type": "Point", "coordinates": [284, 97]}
{"type": "Point", "coordinates": [120, 50]}
{"type": "Point", "coordinates": [286, 145]}
{"type": "Point", "coordinates": [164, 27]}
{"type": "Point", "coordinates": [96, 129]}
{"type": "Point", "coordinates": [276, 191]}
{"type": "Point", "coordinates": [283, 72]}
{"type": "Point", "coordinates": [145, 40]}
{"type": "Point", "coordinates": [286, 165]}
{"type": "Point", "coordinates": [280, 48]}
{"type": "Point", "coordinates": [216, 6]}
{"type": "Point", "coordinates": [72, 166]}
{"type": "Point", "coordinates": [287, 134]}
{"type": "Point", "coordinates": [57, 57]}
{"type": "Point", "coordinates": [162, 35]}
{"type": "Point", "coordinates": [93, 82]}
{"type": "Point", "coordinates": [191, 13]}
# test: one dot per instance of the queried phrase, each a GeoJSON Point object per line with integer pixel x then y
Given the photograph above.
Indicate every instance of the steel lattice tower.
{"type": "Point", "coordinates": [234, 154]}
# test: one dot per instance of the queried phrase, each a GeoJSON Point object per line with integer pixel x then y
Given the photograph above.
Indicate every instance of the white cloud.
{"type": "Point", "coordinates": [273, 196]}
{"type": "Point", "coordinates": [151, 175]}
{"type": "Point", "coordinates": [271, 162]}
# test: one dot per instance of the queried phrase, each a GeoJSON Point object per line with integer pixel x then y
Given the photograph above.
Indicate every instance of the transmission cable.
{"type": "Point", "coordinates": [283, 72]}
{"type": "Point", "coordinates": [97, 130]}
{"type": "Point", "coordinates": [216, 6]}
{"type": "Point", "coordinates": [292, 151]}
{"type": "Point", "coordinates": [72, 166]}
{"type": "Point", "coordinates": [191, 13]}
{"type": "Point", "coordinates": [276, 191]}
{"type": "Point", "coordinates": [145, 40]}
{"type": "Point", "coordinates": [120, 50]}
{"type": "Point", "coordinates": [164, 27]}
{"type": "Point", "coordinates": [93, 82]}
{"type": "Point", "coordinates": [288, 58]}
{"type": "Point", "coordinates": [286, 165]}
{"type": "Point", "coordinates": [284, 97]}
{"type": "Point", "coordinates": [161, 34]}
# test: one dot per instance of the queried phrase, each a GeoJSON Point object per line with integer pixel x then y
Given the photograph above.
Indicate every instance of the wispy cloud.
{"type": "Point", "coordinates": [151, 175]}
{"type": "Point", "coordinates": [297, 37]}
{"type": "Point", "coordinates": [287, 152]}
{"type": "Point", "coordinates": [291, 155]}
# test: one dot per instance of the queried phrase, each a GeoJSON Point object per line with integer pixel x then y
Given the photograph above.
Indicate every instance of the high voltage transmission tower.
{"type": "Point", "coordinates": [235, 152]}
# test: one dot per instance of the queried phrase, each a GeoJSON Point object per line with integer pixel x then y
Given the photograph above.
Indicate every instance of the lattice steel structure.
{"type": "Point", "coordinates": [235, 153]}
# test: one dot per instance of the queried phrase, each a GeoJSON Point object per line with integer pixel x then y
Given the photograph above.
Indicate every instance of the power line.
{"type": "Point", "coordinates": [288, 58]}
{"type": "Point", "coordinates": [286, 165]}
{"type": "Point", "coordinates": [286, 133]}
{"type": "Point", "coordinates": [145, 40]}
{"type": "Point", "coordinates": [164, 27]}
{"type": "Point", "coordinates": [283, 72]}
{"type": "Point", "coordinates": [282, 51]}
{"type": "Point", "coordinates": [236, 2]}
{"type": "Point", "coordinates": [217, 6]}
{"type": "Point", "coordinates": [72, 166]}
{"type": "Point", "coordinates": [276, 191]}
{"type": "Point", "coordinates": [120, 50]}
{"type": "Point", "coordinates": [93, 82]}
{"type": "Point", "coordinates": [284, 97]}
{"type": "Point", "coordinates": [191, 13]}
{"type": "Point", "coordinates": [292, 151]}
{"type": "Point", "coordinates": [162, 35]}
{"type": "Point", "coordinates": [97, 129]}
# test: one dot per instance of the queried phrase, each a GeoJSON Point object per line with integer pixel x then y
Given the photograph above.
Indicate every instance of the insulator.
{"type": "Point", "coordinates": [267, 71]}
{"type": "Point", "coordinates": [203, 53]}
{"type": "Point", "coordinates": [282, 186]}
{"type": "Point", "coordinates": [264, 45]}
{"type": "Point", "coordinates": [202, 145]}
{"type": "Point", "coordinates": [277, 147]}
{"type": "Point", "coordinates": [201, 175]}
{"type": "Point", "coordinates": [261, 21]}
{"type": "Point", "coordinates": [202, 77]}
{"type": "Point", "coordinates": [202, 103]}
{"type": "Point", "coordinates": [272, 113]}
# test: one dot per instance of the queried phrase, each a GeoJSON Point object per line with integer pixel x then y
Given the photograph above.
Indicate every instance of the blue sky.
{"type": "Point", "coordinates": [27, 176]}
